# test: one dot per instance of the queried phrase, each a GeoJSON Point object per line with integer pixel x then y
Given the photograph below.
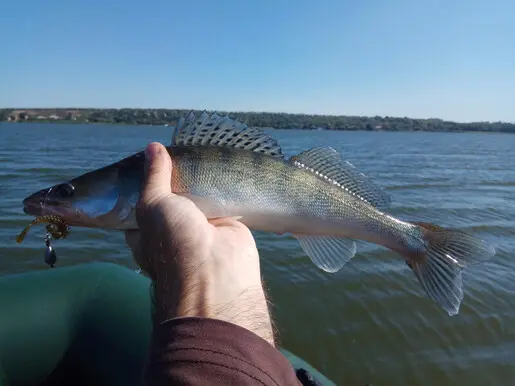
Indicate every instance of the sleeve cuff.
{"type": "Point", "coordinates": [211, 349]}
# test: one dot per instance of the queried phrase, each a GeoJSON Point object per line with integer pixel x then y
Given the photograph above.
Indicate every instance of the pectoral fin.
{"type": "Point", "coordinates": [329, 254]}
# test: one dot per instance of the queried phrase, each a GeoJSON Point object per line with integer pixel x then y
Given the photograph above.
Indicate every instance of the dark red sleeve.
{"type": "Point", "coordinates": [201, 351]}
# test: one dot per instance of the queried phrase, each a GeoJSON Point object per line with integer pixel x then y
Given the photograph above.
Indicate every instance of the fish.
{"type": "Point", "coordinates": [229, 169]}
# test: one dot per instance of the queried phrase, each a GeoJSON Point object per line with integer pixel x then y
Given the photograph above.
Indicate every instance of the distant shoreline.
{"type": "Point", "coordinates": [64, 122]}
{"type": "Point", "coordinates": [282, 121]}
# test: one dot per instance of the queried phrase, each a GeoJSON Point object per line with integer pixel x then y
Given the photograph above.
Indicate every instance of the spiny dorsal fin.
{"type": "Point", "coordinates": [327, 163]}
{"type": "Point", "coordinates": [214, 130]}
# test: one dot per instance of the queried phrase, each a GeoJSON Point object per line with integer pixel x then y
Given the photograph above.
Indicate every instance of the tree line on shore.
{"type": "Point", "coordinates": [254, 119]}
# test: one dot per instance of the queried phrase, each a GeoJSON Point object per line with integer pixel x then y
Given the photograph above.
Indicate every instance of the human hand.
{"type": "Point", "coordinates": [199, 268]}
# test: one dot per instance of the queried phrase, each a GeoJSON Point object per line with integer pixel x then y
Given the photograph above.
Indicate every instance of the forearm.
{"type": "Point", "coordinates": [249, 310]}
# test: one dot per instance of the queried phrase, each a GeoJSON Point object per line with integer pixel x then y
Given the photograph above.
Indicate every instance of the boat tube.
{"type": "Point", "coordinates": [88, 324]}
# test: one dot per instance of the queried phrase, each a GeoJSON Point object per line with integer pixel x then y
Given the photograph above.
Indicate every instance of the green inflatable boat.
{"type": "Point", "coordinates": [83, 325]}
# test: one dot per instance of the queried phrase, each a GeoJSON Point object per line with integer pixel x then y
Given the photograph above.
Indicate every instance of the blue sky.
{"type": "Point", "coordinates": [452, 59]}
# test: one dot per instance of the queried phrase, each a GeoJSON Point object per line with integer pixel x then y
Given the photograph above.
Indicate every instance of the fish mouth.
{"type": "Point", "coordinates": [41, 204]}
{"type": "Point", "coordinates": [35, 204]}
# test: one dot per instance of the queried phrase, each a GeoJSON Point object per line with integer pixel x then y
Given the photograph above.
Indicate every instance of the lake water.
{"type": "Point", "coordinates": [369, 323]}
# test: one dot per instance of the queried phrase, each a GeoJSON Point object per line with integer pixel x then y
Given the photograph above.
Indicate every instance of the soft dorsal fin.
{"type": "Point", "coordinates": [327, 163]}
{"type": "Point", "coordinates": [214, 130]}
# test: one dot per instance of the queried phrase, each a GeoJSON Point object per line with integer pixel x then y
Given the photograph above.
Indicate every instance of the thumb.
{"type": "Point", "coordinates": [158, 175]}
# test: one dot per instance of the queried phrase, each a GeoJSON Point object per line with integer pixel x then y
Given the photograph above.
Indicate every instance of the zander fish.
{"type": "Point", "coordinates": [230, 170]}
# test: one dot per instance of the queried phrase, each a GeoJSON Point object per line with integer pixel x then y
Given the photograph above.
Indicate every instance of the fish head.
{"type": "Point", "coordinates": [103, 198]}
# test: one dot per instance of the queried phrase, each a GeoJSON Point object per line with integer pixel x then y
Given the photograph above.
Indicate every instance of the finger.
{"type": "Point", "coordinates": [158, 175]}
{"type": "Point", "coordinates": [231, 224]}
{"type": "Point", "coordinates": [158, 169]}
{"type": "Point", "coordinates": [225, 221]}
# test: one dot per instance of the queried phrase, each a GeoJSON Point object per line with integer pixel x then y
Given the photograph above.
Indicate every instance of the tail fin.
{"type": "Point", "coordinates": [447, 252]}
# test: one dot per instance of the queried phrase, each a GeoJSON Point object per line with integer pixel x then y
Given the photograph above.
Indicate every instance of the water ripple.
{"type": "Point", "coordinates": [370, 322]}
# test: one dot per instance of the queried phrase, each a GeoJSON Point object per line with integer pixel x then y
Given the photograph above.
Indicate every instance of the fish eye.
{"type": "Point", "coordinates": [65, 190]}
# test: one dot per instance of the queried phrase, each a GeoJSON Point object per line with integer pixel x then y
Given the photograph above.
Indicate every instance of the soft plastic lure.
{"type": "Point", "coordinates": [55, 227]}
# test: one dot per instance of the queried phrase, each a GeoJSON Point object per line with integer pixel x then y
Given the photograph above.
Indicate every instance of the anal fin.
{"type": "Point", "coordinates": [328, 253]}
